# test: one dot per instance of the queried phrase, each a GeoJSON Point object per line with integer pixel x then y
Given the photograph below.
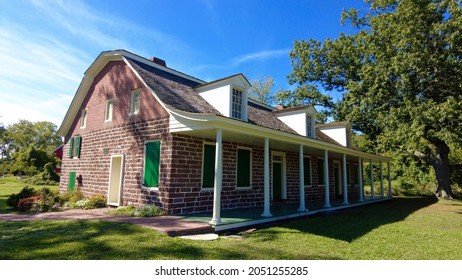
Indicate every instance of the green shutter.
{"type": "Point", "coordinates": [71, 183]}
{"type": "Point", "coordinates": [320, 171]}
{"type": "Point", "coordinates": [208, 169]}
{"type": "Point", "coordinates": [307, 171]}
{"type": "Point", "coordinates": [243, 168]}
{"type": "Point", "coordinates": [152, 164]}
{"type": "Point", "coordinates": [71, 147]}
{"type": "Point", "coordinates": [78, 143]}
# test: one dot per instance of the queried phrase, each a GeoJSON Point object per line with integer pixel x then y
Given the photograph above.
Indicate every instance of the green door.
{"type": "Point", "coordinates": [71, 183]}
{"type": "Point", "coordinates": [277, 181]}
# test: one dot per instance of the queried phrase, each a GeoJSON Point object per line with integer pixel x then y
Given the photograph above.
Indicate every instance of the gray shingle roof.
{"type": "Point", "coordinates": [174, 91]}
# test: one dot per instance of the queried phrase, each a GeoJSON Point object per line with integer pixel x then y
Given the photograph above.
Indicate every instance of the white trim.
{"type": "Point", "coordinates": [120, 180]}
{"type": "Point", "coordinates": [217, 182]}
{"type": "Point", "coordinates": [133, 109]}
{"type": "Point", "coordinates": [144, 163]}
{"type": "Point", "coordinates": [266, 185]}
{"type": "Point", "coordinates": [283, 175]}
{"type": "Point", "coordinates": [83, 118]}
{"type": "Point", "coordinates": [251, 167]}
{"type": "Point", "coordinates": [109, 109]}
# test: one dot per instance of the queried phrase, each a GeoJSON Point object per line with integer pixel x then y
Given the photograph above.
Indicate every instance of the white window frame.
{"type": "Point", "coordinates": [133, 109]}
{"type": "Point", "coordinates": [83, 118]}
{"type": "Point", "coordinates": [237, 114]}
{"type": "Point", "coordinates": [251, 162]}
{"type": "Point", "coordinates": [109, 111]}
{"type": "Point", "coordinates": [310, 126]}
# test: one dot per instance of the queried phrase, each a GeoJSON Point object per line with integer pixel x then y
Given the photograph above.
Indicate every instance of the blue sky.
{"type": "Point", "coordinates": [46, 45]}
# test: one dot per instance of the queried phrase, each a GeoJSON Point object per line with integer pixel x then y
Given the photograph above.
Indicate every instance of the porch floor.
{"type": "Point", "coordinates": [244, 217]}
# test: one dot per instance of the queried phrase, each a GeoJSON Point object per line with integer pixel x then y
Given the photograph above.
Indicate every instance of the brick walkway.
{"type": "Point", "coordinates": [170, 225]}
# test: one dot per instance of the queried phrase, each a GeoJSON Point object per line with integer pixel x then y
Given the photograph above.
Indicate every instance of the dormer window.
{"type": "Point", "coordinates": [237, 103]}
{"type": "Point", "coordinates": [309, 126]}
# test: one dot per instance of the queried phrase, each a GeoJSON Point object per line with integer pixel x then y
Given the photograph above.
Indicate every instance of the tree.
{"type": "Point", "coordinates": [400, 75]}
{"type": "Point", "coordinates": [262, 90]}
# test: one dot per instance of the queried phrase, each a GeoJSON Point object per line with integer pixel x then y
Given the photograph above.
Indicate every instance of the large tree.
{"type": "Point", "coordinates": [400, 74]}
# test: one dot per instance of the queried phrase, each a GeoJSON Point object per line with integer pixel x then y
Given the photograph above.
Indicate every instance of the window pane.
{"type": "Point", "coordinates": [151, 164]}
{"type": "Point", "coordinates": [208, 170]}
{"type": "Point", "coordinates": [320, 171]}
{"type": "Point", "coordinates": [243, 168]}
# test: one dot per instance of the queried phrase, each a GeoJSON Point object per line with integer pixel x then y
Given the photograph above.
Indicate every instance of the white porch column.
{"type": "Point", "coordinates": [216, 219]}
{"type": "Point", "coordinates": [345, 181]}
{"type": "Point", "coordinates": [266, 197]}
{"type": "Point", "coordinates": [326, 180]}
{"type": "Point", "coordinates": [301, 181]}
{"type": "Point", "coordinates": [360, 179]}
{"type": "Point", "coordinates": [390, 193]}
{"type": "Point", "coordinates": [382, 193]}
{"type": "Point", "coordinates": [372, 179]}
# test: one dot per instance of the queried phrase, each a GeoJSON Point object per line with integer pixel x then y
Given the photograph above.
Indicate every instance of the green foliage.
{"type": "Point", "coordinates": [148, 211]}
{"type": "Point", "coordinates": [262, 90]}
{"type": "Point", "coordinates": [30, 200]}
{"type": "Point", "coordinates": [76, 200]}
{"type": "Point", "coordinates": [14, 199]}
{"type": "Point", "coordinates": [123, 211]}
{"type": "Point", "coordinates": [400, 76]}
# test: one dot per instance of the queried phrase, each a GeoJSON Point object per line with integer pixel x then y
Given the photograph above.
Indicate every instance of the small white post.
{"type": "Point", "coordinates": [216, 218]}
{"type": "Point", "coordinates": [345, 181]}
{"type": "Point", "coordinates": [301, 208]}
{"type": "Point", "coordinates": [266, 197]}
{"type": "Point", "coordinates": [382, 192]}
{"type": "Point", "coordinates": [390, 193]}
{"type": "Point", "coordinates": [360, 179]}
{"type": "Point", "coordinates": [372, 179]}
{"type": "Point", "coordinates": [326, 180]}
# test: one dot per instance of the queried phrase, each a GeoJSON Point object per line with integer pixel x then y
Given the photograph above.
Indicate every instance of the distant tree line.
{"type": "Point", "coordinates": [27, 149]}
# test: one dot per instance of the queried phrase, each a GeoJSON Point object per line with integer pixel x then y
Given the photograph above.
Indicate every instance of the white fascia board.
{"type": "Point", "coordinates": [263, 132]}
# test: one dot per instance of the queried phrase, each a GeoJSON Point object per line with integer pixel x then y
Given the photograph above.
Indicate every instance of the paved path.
{"type": "Point", "coordinates": [171, 225]}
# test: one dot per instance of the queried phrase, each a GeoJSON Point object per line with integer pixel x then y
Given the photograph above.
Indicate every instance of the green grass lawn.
{"type": "Point", "coordinates": [404, 228]}
{"type": "Point", "coordinates": [10, 185]}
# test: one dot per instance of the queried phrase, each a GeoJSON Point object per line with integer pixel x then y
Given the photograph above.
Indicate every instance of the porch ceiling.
{"type": "Point", "coordinates": [259, 141]}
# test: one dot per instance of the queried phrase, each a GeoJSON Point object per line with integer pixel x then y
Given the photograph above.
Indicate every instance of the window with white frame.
{"type": "Point", "coordinates": [135, 102]}
{"type": "Point", "coordinates": [307, 171]}
{"type": "Point", "coordinates": [109, 110]}
{"type": "Point", "coordinates": [309, 126]}
{"type": "Point", "coordinates": [244, 168]}
{"type": "Point", "coordinates": [83, 118]}
{"type": "Point", "coordinates": [237, 106]}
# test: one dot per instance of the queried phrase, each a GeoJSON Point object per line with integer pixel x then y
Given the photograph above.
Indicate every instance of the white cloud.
{"type": "Point", "coordinates": [261, 55]}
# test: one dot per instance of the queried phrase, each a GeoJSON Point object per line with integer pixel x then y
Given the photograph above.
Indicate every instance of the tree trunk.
{"type": "Point", "coordinates": [442, 171]}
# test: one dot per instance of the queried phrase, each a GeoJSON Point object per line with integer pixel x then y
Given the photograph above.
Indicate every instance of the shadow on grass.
{"type": "Point", "coordinates": [353, 223]}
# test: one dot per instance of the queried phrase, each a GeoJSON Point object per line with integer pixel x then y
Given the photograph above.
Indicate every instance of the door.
{"type": "Point", "coordinates": [71, 183]}
{"type": "Point", "coordinates": [115, 180]}
{"type": "Point", "coordinates": [277, 177]}
{"type": "Point", "coordinates": [277, 181]}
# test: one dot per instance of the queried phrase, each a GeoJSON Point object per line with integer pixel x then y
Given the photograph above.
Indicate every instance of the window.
{"type": "Point", "coordinates": [109, 109]}
{"type": "Point", "coordinates": [151, 164]}
{"type": "Point", "coordinates": [208, 166]}
{"type": "Point", "coordinates": [320, 171]}
{"type": "Point", "coordinates": [309, 126]}
{"type": "Point", "coordinates": [83, 118]}
{"type": "Point", "coordinates": [244, 168]}
{"type": "Point", "coordinates": [307, 171]}
{"type": "Point", "coordinates": [74, 146]}
{"type": "Point", "coordinates": [135, 102]}
{"type": "Point", "coordinates": [354, 174]}
{"type": "Point", "coordinates": [237, 104]}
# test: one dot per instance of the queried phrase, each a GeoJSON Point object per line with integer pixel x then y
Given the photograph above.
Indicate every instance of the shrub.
{"type": "Point", "coordinates": [29, 204]}
{"type": "Point", "coordinates": [72, 196]}
{"type": "Point", "coordinates": [148, 211]}
{"type": "Point", "coordinates": [123, 211]}
{"type": "Point", "coordinates": [49, 200]}
{"type": "Point", "coordinates": [96, 201]}
{"type": "Point", "coordinates": [14, 199]}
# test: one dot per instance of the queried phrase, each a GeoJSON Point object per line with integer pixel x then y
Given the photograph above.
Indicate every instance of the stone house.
{"type": "Point", "coordinates": [140, 132]}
